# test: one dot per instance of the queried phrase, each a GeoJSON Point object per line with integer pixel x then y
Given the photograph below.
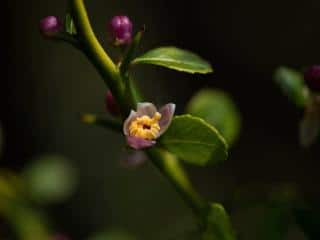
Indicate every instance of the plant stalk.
{"type": "Point", "coordinates": [165, 162]}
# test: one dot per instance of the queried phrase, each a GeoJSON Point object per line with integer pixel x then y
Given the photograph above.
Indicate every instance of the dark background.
{"type": "Point", "coordinates": [45, 85]}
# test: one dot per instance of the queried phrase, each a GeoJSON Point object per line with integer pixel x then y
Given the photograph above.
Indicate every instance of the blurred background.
{"type": "Point", "coordinates": [45, 85]}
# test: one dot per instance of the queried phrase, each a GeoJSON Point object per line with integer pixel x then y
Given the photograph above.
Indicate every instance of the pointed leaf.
{"type": "Point", "coordinates": [218, 224]}
{"type": "Point", "coordinates": [195, 141]}
{"type": "Point", "coordinates": [175, 58]}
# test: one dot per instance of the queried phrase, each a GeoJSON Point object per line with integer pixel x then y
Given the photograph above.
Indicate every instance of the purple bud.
{"type": "Point", "coordinates": [120, 28]}
{"type": "Point", "coordinates": [312, 78]}
{"type": "Point", "coordinates": [50, 26]}
{"type": "Point", "coordinates": [111, 105]}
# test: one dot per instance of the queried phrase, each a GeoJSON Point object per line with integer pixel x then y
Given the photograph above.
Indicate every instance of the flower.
{"type": "Point", "coordinates": [120, 28]}
{"type": "Point", "coordinates": [111, 104]}
{"type": "Point", "coordinates": [50, 26]}
{"type": "Point", "coordinates": [312, 77]}
{"type": "Point", "coordinates": [145, 125]}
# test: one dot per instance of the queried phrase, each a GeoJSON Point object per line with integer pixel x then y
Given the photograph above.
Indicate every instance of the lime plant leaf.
{"type": "Point", "coordinates": [50, 179]}
{"type": "Point", "coordinates": [175, 58]}
{"type": "Point", "coordinates": [218, 224]}
{"type": "Point", "coordinates": [69, 25]}
{"type": "Point", "coordinates": [218, 109]}
{"type": "Point", "coordinates": [292, 84]}
{"type": "Point", "coordinates": [195, 141]}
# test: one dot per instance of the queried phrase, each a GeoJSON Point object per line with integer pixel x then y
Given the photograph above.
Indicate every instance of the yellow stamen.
{"type": "Point", "coordinates": [145, 127]}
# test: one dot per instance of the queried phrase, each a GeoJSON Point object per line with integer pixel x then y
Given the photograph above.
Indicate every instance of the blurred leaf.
{"type": "Point", "coordinates": [218, 224]}
{"type": "Point", "coordinates": [10, 185]}
{"type": "Point", "coordinates": [195, 141]}
{"type": "Point", "coordinates": [26, 222]}
{"type": "Point", "coordinates": [113, 235]}
{"type": "Point", "coordinates": [175, 58]}
{"type": "Point", "coordinates": [50, 179]}
{"type": "Point", "coordinates": [275, 224]}
{"type": "Point", "coordinates": [292, 84]}
{"type": "Point", "coordinates": [310, 126]}
{"type": "Point", "coordinates": [309, 221]}
{"type": "Point", "coordinates": [69, 25]}
{"type": "Point", "coordinates": [218, 109]}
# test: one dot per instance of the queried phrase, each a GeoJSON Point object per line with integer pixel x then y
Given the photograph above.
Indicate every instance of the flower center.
{"type": "Point", "coordinates": [145, 127]}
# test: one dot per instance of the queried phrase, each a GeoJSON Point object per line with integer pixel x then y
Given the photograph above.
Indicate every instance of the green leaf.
{"type": "Point", "coordinates": [292, 84]}
{"type": "Point", "coordinates": [195, 141]}
{"type": "Point", "coordinates": [50, 179]}
{"type": "Point", "coordinates": [175, 58]}
{"type": "Point", "coordinates": [218, 224]}
{"type": "Point", "coordinates": [69, 25]}
{"type": "Point", "coordinates": [218, 109]}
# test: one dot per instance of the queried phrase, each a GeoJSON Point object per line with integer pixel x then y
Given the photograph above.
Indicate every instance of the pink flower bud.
{"type": "Point", "coordinates": [120, 28]}
{"type": "Point", "coordinates": [50, 26]}
{"type": "Point", "coordinates": [111, 104]}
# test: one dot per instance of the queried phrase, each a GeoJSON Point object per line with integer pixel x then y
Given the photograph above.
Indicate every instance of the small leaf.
{"type": "Point", "coordinates": [292, 84]}
{"type": "Point", "coordinates": [218, 109]}
{"type": "Point", "coordinates": [218, 224]}
{"type": "Point", "coordinates": [175, 58]}
{"type": "Point", "coordinates": [195, 141]}
{"type": "Point", "coordinates": [69, 25]}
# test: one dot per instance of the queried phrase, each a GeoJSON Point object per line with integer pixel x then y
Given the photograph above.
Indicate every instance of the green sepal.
{"type": "Point", "coordinates": [69, 25]}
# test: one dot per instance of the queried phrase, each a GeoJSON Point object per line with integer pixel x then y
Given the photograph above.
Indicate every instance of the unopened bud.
{"type": "Point", "coordinates": [120, 28]}
{"type": "Point", "coordinates": [50, 26]}
{"type": "Point", "coordinates": [111, 104]}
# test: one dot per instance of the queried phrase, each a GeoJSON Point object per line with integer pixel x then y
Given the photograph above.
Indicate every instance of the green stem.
{"type": "Point", "coordinates": [103, 121]}
{"type": "Point", "coordinates": [169, 166]}
{"type": "Point", "coordinates": [166, 163]}
{"type": "Point", "coordinates": [97, 54]}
